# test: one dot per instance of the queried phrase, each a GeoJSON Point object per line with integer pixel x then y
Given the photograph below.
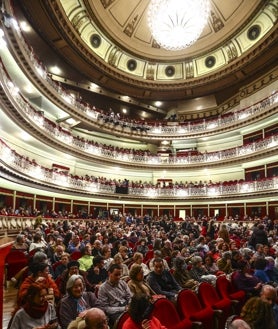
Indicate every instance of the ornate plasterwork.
{"type": "Point", "coordinates": [90, 17]}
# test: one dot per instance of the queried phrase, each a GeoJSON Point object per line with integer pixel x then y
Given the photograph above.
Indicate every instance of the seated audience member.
{"type": "Point", "coordinates": [259, 253]}
{"type": "Point", "coordinates": [182, 276]}
{"type": "Point", "coordinates": [86, 260]}
{"type": "Point", "coordinates": [166, 250]}
{"type": "Point", "coordinates": [97, 248]}
{"type": "Point", "coordinates": [75, 244]}
{"type": "Point", "coordinates": [114, 294]}
{"type": "Point", "coordinates": [57, 254]}
{"type": "Point", "coordinates": [225, 262]}
{"type": "Point", "coordinates": [162, 282]}
{"type": "Point", "coordinates": [198, 270]}
{"type": "Point", "coordinates": [106, 254]}
{"type": "Point", "coordinates": [271, 270]}
{"type": "Point", "coordinates": [139, 310]}
{"type": "Point", "coordinates": [236, 257]}
{"type": "Point", "coordinates": [238, 324]}
{"type": "Point", "coordinates": [38, 242]}
{"type": "Point", "coordinates": [95, 318]}
{"type": "Point", "coordinates": [20, 243]}
{"type": "Point", "coordinates": [97, 274]}
{"type": "Point", "coordinates": [157, 254]}
{"type": "Point", "coordinates": [138, 259]}
{"type": "Point", "coordinates": [36, 311]}
{"type": "Point", "coordinates": [210, 265]}
{"type": "Point", "coordinates": [118, 259]}
{"type": "Point", "coordinates": [223, 233]}
{"type": "Point", "coordinates": [142, 247]}
{"type": "Point", "coordinates": [258, 314]}
{"type": "Point", "coordinates": [123, 251]}
{"type": "Point", "coordinates": [136, 284]}
{"type": "Point", "coordinates": [72, 268]}
{"type": "Point", "coordinates": [40, 273]}
{"type": "Point", "coordinates": [244, 280]}
{"type": "Point", "coordinates": [269, 295]}
{"type": "Point", "coordinates": [62, 266]}
{"type": "Point", "coordinates": [259, 267]}
{"type": "Point", "coordinates": [76, 301]}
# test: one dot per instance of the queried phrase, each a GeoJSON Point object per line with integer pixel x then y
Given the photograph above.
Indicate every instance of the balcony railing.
{"type": "Point", "coordinates": [132, 157]}
{"type": "Point", "coordinates": [145, 129]}
{"type": "Point", "coordinates": [15, 163]}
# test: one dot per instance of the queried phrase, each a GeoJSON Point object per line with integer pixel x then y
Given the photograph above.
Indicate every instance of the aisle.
{"type": "Point", "coordinates": [9, 296]}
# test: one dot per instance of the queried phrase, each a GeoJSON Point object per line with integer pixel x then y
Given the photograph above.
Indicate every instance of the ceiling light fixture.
{"type": "Point", "coordinates": [177, 24]}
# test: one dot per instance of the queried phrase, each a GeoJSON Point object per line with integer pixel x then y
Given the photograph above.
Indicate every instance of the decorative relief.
{"type": "Point", "coordinates": [113, 57]}
{"type": "Point", "coordinates": [189, 70]}
{"type": "Point", "coordinates": [106, 3]}
{"type": "Point", "coordinates": [131, 26]}
{"type": "Point", "coordinates": [231, 51]}
{"type": "Point", "coordinates": [216, 22]}
{"type": "Point", "coordinates": [150, 72]}
{"type": "Point", "coordinates": [79, 19]}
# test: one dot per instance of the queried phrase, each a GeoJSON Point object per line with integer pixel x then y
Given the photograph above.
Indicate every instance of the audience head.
{"type": "Point", "coordinates": [138, 257]}
{"type": "Point", "coordinates": [75, 286]}
{"type": "Point", "coordinates": [258, 313]}
{"type": "Point", "coordinates": [95, 318]}
{"type": "Point", "coordinates": [269, 294]}
{"type": "Point", "coordinates": [196, 261]}
{"type": "Point", "coordinates": [136, 273]}
{"type": "Point", "coordinates": [39, 257]}
{"type": "Point", "coordinates": [179, 263]}
{"type": "Point", "coordinates": [158, 266]}
{"type": "Point", "coordinates": [140, 308]}
{"type": "Point", "coordinates": [238, 324]}
{"type": "Point", "coordinates": [73, 267]}
{"type": "Point", "coordinates": [98, 261]}
{"type": "Point", "coordinates": [115, 272]}
{"type": "Point", "coordinates": [36, 294]}
{"type": "Point", "coordinates": [39, 270]}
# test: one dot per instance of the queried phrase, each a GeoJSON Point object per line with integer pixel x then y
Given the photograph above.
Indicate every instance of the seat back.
{"type": "Point", "coordinates": [14, 262]}
{"type": "Point", "coordinates": [207, 294]}
{"type": "Point", "coordinates": [75, 255]}
{"type": "Point", "coordinates": [121, 320]}
{"type": "Point", "coordinates": [166, 312]}
{"type": "Point", "coordinates": [188, 303]}
{"type": "Point", "coordinates": [189, 306]}
{"type": "Point", "coordinates": [223, 286]}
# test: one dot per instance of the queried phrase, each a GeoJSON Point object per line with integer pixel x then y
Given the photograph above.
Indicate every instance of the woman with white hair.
{"type": "Point", "coordinates": [76, 301]}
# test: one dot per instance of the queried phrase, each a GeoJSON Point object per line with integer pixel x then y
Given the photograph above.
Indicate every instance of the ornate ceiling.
{"type": "Point", "coordinates": [109, 43]}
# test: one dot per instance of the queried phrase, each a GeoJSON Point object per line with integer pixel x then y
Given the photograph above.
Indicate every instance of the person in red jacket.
{"type": "Point", "coordinates": [140, 309]}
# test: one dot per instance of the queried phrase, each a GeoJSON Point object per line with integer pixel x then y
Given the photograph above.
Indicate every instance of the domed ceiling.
{"type": "Point", "coordinates": [110, 44]}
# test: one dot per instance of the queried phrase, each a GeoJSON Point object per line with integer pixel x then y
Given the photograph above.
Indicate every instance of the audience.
{"type": "Point", "coordinates": [95, 318]}
{"type": "Point", "coordinates": [162, 281]}
{"type": "Point", "coordinates": [114, 294]}
{"type": "Point", "coordinates": [246, 281]}
{"type": "Point", "coordinates": [139, 310]}
{"type": "Point", "coordinates": [180, 245]}
{"type": "Point", "coordinates": [76, 301]}
{"type": "Point", "coordinates": [136, 284]}
{"type": "Point", "coordinates": [258, 314]}
{"type": "Point", "coordinates": [36, 311]}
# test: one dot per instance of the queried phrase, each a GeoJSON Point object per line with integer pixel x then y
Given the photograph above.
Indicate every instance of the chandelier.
{"type": "Point", "coordinates": [177, 24]}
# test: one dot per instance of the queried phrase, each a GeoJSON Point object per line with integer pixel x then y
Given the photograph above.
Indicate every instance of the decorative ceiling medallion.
{"type": "Point", "coordinates": [95, 40]}
{"type": "Point", "coordinates": [131, 64]}
{"type": "Point", "coordinates": [210, 61]}
{"type": "Point", "coordinates": [170, 71]}
{"type": "Point", "coordinates": [253, 32]}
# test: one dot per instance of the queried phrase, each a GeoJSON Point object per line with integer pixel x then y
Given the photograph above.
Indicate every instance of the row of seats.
{"type": "Point", "coordinates": [209, 308]}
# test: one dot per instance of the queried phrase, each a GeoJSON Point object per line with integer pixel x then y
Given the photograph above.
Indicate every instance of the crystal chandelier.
{"type": "Point", "coordinates": [177, 24]}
